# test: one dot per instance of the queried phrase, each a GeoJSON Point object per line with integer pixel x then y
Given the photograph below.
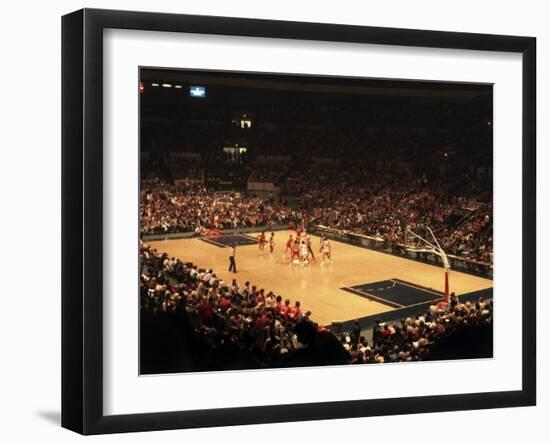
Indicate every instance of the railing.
{"type": "Point", "coordinates": [191, 234]}
{"type": "Point", "coordinates": [457, 263]}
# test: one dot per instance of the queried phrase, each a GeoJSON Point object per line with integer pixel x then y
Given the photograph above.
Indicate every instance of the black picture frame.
{"type": "Point", "coordinates": [82, 218]}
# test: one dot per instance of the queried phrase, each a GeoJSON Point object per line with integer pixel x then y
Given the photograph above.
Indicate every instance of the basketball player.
{"type": "Point", "coordinates": [272, 243]}
{"type": "Point", "coordinates": [295, 251]}
{"type": "Point", "coordinates": [303, 253]}
{"type": "Point", "coordinates": [298, 234]}
{"type": "Point", "coordinates": [325, 251]}
{"type": "Point", "coordinates": [288, 249]}
{"type": "Point", "coordinates": [309, 249]}
{"type": "Point", "coordinates": [261, 242]}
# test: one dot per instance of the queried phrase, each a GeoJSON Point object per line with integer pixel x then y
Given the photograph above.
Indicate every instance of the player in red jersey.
{"type": "Point", "coordinates": [272, 243]}
{"type": "Point", "coordinates": [295, 251]}
{"type": "Point", "coordinates": [288, 249]}
{"type": "Point", "coordinates": [261, 242]}
{"type": "Point", "coordinates": [298, 234]}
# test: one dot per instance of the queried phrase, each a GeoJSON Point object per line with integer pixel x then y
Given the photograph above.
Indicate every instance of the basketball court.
{"type": "Point", "coordinates": [358, 283]}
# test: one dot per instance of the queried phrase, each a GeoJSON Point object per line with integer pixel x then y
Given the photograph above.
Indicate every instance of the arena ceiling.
{"type": "Point", "coordinates": [322, 84]}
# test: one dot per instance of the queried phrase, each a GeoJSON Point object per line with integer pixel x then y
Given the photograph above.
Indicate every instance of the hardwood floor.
{"type": "Point", "coordinates": [318, 286]}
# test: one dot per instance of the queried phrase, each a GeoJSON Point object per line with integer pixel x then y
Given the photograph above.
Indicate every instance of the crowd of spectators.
{"type": "Point", "coordinates": [233, 326]}
{"type": "Point", "coordinates": [268, 172]}
{"type": "Point", "coordinates": [384, 206]}
{"type": "Point", "coordinates": [189, 206]}
{"type": "Point", "coordinates": [425, 335]}
{"type": "Point", "coordinates": [350, 197]}
{"type": "Point", "coordinates": [182, 168]}
{"type": "Point", "coordinates": [229, 326]}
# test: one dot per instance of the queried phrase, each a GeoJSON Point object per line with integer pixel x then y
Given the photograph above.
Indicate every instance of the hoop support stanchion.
{"type": "Point", "coordinates": [438, 250]}
{"type": "Point", "coordinates": [446, 286]}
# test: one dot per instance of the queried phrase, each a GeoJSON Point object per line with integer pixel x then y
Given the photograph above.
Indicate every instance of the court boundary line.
{"type": "Point", "coordinates": [213, 242]}
{"type": "Point", "coordinates": [374, 297]}
{"type": "Point", "coordinates": [248, 237]}
{"type": "Point", "coordinates": [395, 314]}
{"type": "Point", "coordinates": [395, 304]}
{"type": "Point", "coordinates": [412, 285]}
{"type": "Point", "coordinates": [223, 245]}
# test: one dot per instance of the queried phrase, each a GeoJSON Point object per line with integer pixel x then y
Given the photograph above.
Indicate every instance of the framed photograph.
{"type": "Point", "coordinates": [270, 221]}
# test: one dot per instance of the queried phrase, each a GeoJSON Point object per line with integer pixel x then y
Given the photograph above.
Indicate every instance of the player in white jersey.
{"type": "Point", "coordinates": [303, 253]}
{"type": "Point", "coordinates": [325, 251]}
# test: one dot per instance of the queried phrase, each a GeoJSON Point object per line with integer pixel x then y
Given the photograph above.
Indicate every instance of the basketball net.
{"type": "Point", "coordinates": [432, 248]}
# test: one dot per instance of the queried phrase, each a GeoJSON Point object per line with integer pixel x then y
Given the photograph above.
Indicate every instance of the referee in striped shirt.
{"type": "Point", "coordinates": [232, 265]}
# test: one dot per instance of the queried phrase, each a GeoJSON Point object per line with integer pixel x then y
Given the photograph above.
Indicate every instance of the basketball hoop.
{"type": "Point", "coordinates": [432, 249]}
